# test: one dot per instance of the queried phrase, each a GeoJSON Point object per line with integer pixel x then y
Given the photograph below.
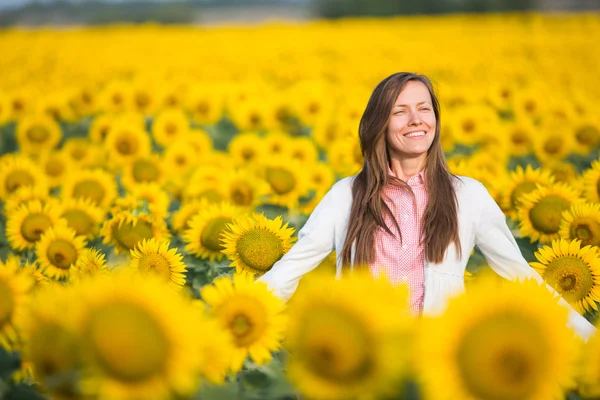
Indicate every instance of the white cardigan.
{"type": "Point", "coordinates": [481, 223]}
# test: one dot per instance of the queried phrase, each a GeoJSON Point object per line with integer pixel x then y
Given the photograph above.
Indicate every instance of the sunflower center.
{"type": "Point", "coordinates": [54, 168]}
{"type": "Point", "coordinates": [142, 100]}
{"type": "Point", "coordinates": [570, 276]}
{"type": "Point", "coordinates": [588, 136]}
{"type": "Point", "coordinates": [242, 195]}
{"type": "Point", "coordinates": [61, 253]}
{"type": "Point", "coordinates": [520, 189]}
{"type": "Point", "coordinates": [545, 216]}
{"type": "Point", "coordinates": [202, 108]}
{"type": "Point", "coordinates": [53, 350]}
{"type": "Point", "coordinates": [126, 146]}
{"type": "Point", "coordinates": [7, 303]}
{"type": "Point", "coordinates": [502, 358]}
{"type": "Point", "coordinates": [145, 171]}
{"type": "Point", "coordinates": [248, 154]}
{"type": "Point", "coordinates": [587, 230]}
{"type": "Point", "coordinates": [38, 134]}
{"type": "Point", "coordinates": [245, 318]}
{"type": "Point", "coordinates": [519, 137]}
{"type": "Point", "coordinates": [170, 129]}
{"type": "Point", "coordinates": [128, 235]}
{"type": "Point", "coordinates": [468, 126]}
{"type": "Point", "coordinates": [155, 264]}
{"type": "Point", "coordinates": [281, 180]}
{"type": "Point", "coordinates": [260, 249]}
{"type": "Point", "coordinates": [128, 343]}
{"type": "Point", "coordinates": [90, 189]}
{"type": "Point", "coordinates": [34, 225]}
{"type": "Point", "coordinates": [80, 221]}
{"type": "Point", "coordinates": [336, 347]}
{"type": "Point", "coordinates": [210, 236]}
{"type": "Point", "coordinates": [553, 145]}
{"type": "Point", "coordinates": [17, 179]}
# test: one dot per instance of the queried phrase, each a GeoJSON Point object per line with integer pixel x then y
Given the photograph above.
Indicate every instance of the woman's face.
{"type": "Point", "coordinates": [412, 123]}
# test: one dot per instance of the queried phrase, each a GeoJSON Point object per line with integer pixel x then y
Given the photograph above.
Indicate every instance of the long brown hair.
{"type": "Point", "coordinates": [440, 221]}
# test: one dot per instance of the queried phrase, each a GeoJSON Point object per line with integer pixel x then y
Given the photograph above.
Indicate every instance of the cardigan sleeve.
{"type": "Point", "coordinates": [316, 240]}
{"type": "Point", "coordinates": [498, 245]}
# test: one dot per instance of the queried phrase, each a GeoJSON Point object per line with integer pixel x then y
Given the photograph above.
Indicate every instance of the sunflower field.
{"type": "Point", "coordinates": [149, 174]}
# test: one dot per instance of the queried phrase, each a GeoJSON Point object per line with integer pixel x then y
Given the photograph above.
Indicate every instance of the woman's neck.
{"type": "Point", "coordinates": [406, 168]}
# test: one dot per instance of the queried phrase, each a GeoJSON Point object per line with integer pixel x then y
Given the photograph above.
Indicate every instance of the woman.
{"type": "Point", "coordinates": [404, 214]}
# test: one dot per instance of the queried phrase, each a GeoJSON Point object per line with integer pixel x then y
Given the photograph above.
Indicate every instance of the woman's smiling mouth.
{"type": "Point", "coordinates": [415, 134]}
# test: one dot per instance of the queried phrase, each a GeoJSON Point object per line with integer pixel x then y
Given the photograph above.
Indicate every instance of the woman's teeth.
{"type": "Point", "coordinates": [415, 134]}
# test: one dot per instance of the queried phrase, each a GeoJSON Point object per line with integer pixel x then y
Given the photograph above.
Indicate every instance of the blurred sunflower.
{"type": "Point", "coordinates": [25, 226]}
{"type": "Point", "coordinates": [14, 298]}
{"type": "Point", "coordinates": [552, 144]}
{"type": "Point", "coordinates": [469, 122]}
{"type": "Point", "coordinates": [304, 150]}
{"type": "Point", "coordinates": [246, 149]}
{"type": "Point", "coordinates": [200, 141]}
{"type": "Point", "coordinates": [582, 222]}
{"type": "Point", "coordinates": [205, 106]}
{"type": "Point", "coordinates": [180, 219]}
{"type": "Point", "coordinates": [521, 134]}
{"type": "Point", "coordinates": [339, 348]}
{"type": "Point", "coordinates": [30, 269]}
{"type": "Point", "coordinates": [277, 143]}
{"type": "Point", "coordinates": [253, 115]}
{"type": "Point", "coordinates": [287, 181]}
{"type": "Point", "coordinates": [498, 342]}
{"type": "Point", "coordinates": [522, 181]}
{"type": "Point", "coordinates": [83, 152]}
{"type": "Point", "coordinates": [528, 104]}
{"type": "Point", "coordinates": [100, 127]}
{"type": "Point", "coordinates": [243, 188]}
{"type": "Point", "coordinates": [589, 369]}
{"type": "Point", "coordinates": [56, 166]}
{"type": "Point", "coordinates": [203, 237]}
{"type": "Point", "coordinates": [126, 142]}
{"type": "Point", "coordinates": [179, 159]}
{"type": "Point", "coordinates": [251, 313]}
{"type": "Point", "coordinates": [320, 179]}
{"type": "Point", "coordinates": [144, 169]}
{"type": "Point", "coordinates": [153, 257]}
{"type": "Point", "coordinates": [17, 171]}
{"type": "Point", "coordinates": [23, 195]}
{"type": "Point", "coordinates": [82, 215]}
{"type": "Point", "coordinates": [254, 243]}
{"type": "Point", "coordinates": [83, 101]}
{"type": "Point", "coordinates": [129, 227]}
{"type": "Point", "coordinates": [158, 200]}
{"type": "Point", "coordinates": [38, 133]}
{"type": "Point", "coordinates": [58, 249]}
{"type": "Point", "coordinates": [345, 156]}
{"type": "Point", "coordinates": [591, 182]}
{"type": "Point", "coordinates": [144, 97]}
{"type": "Point", "coordinates": [562, 171]}
{"type": "Point", "coordinates": [90, 263]}
{"type": "Point", "coordinates": [115, 97]}
{"type": "Point", "coordinates": [539, 211]}
{"type": "Point", "coordinates": [94, 184]}
{"type": "Point", "coordinates": [169, 126]}
{"type": "Point", "coordinates": [138, 338]}
{"type": "Point", "coordinates": [216, 347]}
{"type": "Point", "coordinates": [573, 271]}
{"type": "Point", "coordinates": [587, 135]}
{"type": "Point", "coordinates": [328, 131]}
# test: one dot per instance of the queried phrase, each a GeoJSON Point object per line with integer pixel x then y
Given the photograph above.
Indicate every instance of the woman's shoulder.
{"type": "Point", "coordinates": [467, 186]}
{"type": "Point", "coordinates": [343, 187]}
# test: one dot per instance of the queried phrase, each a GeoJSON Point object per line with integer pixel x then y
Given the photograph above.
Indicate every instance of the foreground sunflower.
{"type": "Point", "coordinates": [588, 375]}
{"type": "Point", "coordinates": [572, 270]}
{"type": "Point", "coordinates": [251, 313]}
{"type": "Point", "coordinates": [58, 250]}
{"type": "Point", "coordinates": [25, 226]}
{"type": "Point", "coordinates": [540, 211]}
{"type": "Point", "coordinates": [254, 243]}
{"type": "Point", "coordinates": [203, 237]}
{"type": "Point", "coordinates": [339, 348]}
{"type": "Point", "coordinates": [498, 343]}
{"type": "Point", "coordinates": [14, 297]}
{"type": "Point", "coordinates": [581, 221]}
{"type": "Point", "coordinates": [153, 257]}
{"type": "Point", "coordinates": [138, 338]}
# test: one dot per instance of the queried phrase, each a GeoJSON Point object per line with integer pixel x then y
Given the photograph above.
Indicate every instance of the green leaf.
{"type": "Point", "coordinates": [9, 363]}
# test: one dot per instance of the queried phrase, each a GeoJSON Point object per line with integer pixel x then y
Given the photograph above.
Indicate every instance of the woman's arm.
{"type": "Point", "coordinates": [496, 242]}
{"type": "Point", "coordinates": [316, 240]}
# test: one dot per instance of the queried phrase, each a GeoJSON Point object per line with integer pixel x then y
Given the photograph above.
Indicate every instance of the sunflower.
{"type": "Point", "coordinates": [251, 313]}
{"type": "Point", "coordinates": [25, 226]}
{"type": "Point", "coordinates": [246, 148]}
{"type": "Point", "coordinates": [205, 182]}
{"type": "Point", "coordinates": [253, 115]}
{"type": "Point", "coordinates": [469, 123]}
{"type": "Point", "coordinates": [206, 106]}
{"type": "Point", "coordinates": [95, 184]}
{"type": "Point", "coordinates": [82, 152]}
{"type": "Point", "coordinates": [23, 195]}
{"type": "Point", "coordinates": [82, 215]}
{"type": "Point", "coordinates": [179, 159]}
{"type": "Point", "coordinates": [180, 220]}
{"type": "Point", "coordinates": [540, 211]}
{"type": "Point", "coordinates": [522, 181]}
{"type": "Point", "coordinates": [100, 127]}
{"type": "Point", "coordinates": [17, 171]}
{"type": "Point", "coordinates": [58, 249]}
{"type": "Point", "coordinates": [562, 171]}
{"type": "Point", "coordinates": [125, 142]}
{"type": "Point", "coordinates": [529, 104]}
{"type": "Point", "coordinates": [115, 97]}
{"type": "Point", "coordinates": [203, 237]}
{"type": "Point", "coordinates": [52, 345]}
{"type": "Point", "coordinates": [144, 169]}
{"type": "Point", "coordinates": [14, 296]}
{"type": "Point", "coordinates": [573, 271]}
{"type": "Point", "coordinates": [338, 347]}
{"type": "Point", "coordinates": [287, 180]}
{"type": "Point", "coordinates": [56, 165]}
{"type": "Point", "coordinates": [277, 143]}
{"type": "Point", "coordinates": [589, 369]}
{"type": "Point", "coordinates": [129, 227]}
{"type": "Point", "coordinates": [157, 198]}
{"type": "Point", "coordinates": [552, 144]}
{"type": "Point", "coordinates": [521, 135]}
{"type": "Point", "coordinates": [153, 257]}
{"type": "Point", "coordinates": [254, 243]}
{"type": "Point", "coordinates": [200, 141]}
{"type": "Point", "coordinates": [345, 156]}
{"type": "Point", "coordinates": [138, 338]}
{"type": "Point", "coordinates": [582, 222]}
{"type": "Point", "coordinates": [304, 150]}
{"type": "Point", "coordinates": [30, 269]}
{"type": "Point", "coordinates": [144, 97]}
{"type": "Point", "coordinates": [591, 182]}
{"type": "Point", "coordinates": [498, 342]}
{"type": "Point", "coordinates": [83, 101]}
{"type": "Point", "coordinates": [587, 135]}
{"type": "Point", "coordinates": [243, 188]}
{"type": "Point", "coordinates": [90, 263]}
{"type": "Point", "coordinates": [320, 179]}
{"type": "Point", "coordinates": [327, 131]}
{"type": "Point", "coordinates": [38, 133]}
{"type": "Point", "coordinates": [169, 126]}
{"type": "Point", "coordinates": [216, 347]}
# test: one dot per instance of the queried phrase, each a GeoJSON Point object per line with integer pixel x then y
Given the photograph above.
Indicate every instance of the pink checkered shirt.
{"type": "Point", "coordinates": [404, 263]}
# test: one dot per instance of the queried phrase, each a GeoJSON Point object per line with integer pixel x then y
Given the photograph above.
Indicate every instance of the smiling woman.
{"type": "Point", "coordinates": [404, 214]}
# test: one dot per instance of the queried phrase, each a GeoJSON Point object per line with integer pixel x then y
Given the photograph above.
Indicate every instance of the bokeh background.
{"type": "Point", "coordinates": [157, 157]}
